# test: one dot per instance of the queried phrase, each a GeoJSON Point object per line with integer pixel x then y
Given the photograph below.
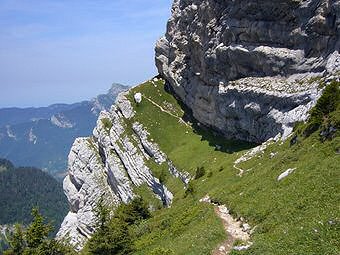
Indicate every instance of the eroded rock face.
{"type": "Point", "coordinates": [108, 165]}
{"type": "Point", "coordinates": [245, 67]}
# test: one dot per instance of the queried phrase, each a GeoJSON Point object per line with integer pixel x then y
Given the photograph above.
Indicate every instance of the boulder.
{"type": "Point", "coordinates": [138, 98]}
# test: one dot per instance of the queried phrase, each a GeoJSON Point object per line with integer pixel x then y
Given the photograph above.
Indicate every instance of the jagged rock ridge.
{"type": "Point", "coordinates": [249, 68]}
{"type": "Point", "coordinates": [110, 165]}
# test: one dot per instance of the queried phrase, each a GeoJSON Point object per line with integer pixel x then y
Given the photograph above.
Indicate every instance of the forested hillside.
{"type": "Point", "coordinates": [26, 187]}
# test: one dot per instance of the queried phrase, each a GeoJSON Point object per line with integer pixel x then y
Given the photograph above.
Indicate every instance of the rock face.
{"type": "Point", "coordinates": [109, 165]}
{"type": "Point", "coordinates": [249, 68]}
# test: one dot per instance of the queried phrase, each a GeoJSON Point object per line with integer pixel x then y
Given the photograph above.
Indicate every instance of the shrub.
{"type": "Point", "coordinates": [162, 251]}
{"type": "Point", "coordinates": [327, 103]}
{"type": "Point", "coordinates": [135, 211]}
{"type": "Point", "coordinates": [107, 124]}
{"type": "Point", "coordinates": [216, 201]}
{"type": "Point", "coordinates": [200, 172]}
{"type": "Point", "coordinates": [190, 189]}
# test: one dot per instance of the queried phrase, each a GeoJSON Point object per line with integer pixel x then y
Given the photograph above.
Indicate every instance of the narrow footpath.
{"type": "Point", "coordinates": [165, 111]}
{"type": "Point", "coordinates": [235, 230]}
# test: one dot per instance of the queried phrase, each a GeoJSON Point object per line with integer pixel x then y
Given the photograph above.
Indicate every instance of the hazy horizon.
{"type": "Point", "coordinates": [61, 103]}
{"type": "Point", "coordinates": [65, 52]}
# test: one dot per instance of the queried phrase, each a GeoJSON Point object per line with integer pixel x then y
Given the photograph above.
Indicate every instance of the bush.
{"type": "Point", "coordinates": [162, 251]}
{"type": "Point", "coordinates": [136, 210]}
{"type": "Point", "coordinates": [200, 172]}
{"type": "Point", "coordinates": [107, 124]}
{"type": "Point", "coordinates": [327, 103]}
{"type": "Point", "coordinates": [190, 189]}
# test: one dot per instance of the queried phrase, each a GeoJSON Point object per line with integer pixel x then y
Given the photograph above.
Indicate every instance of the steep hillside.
{"type": "Point", "coordinates": [41, 137]}
{"type": "Point", "coordinates": [298, 214]}
{"type": "Point", "coordinates": [23, 188]}
{"type": "Point", "coordinates": [264, 72]}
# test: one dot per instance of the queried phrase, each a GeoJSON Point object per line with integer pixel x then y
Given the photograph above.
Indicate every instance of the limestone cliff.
{"type": "Point", "coordinates": [110, 165]}
{"type": "Point", "coordinates": [249, 68]}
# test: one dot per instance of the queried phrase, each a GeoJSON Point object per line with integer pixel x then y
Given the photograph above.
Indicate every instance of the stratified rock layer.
{"type": "Point", "coordinates": [108, 165]}
{"type": "Point", "coordinates": [249, 68]}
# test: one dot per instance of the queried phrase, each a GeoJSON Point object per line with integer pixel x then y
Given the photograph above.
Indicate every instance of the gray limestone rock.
{"type": "Point", "coordinates": [153, 151]}
{"type": "Point", "coordinates": [108, 165]}
{"type": "Point", "coordinates": [244, 67]}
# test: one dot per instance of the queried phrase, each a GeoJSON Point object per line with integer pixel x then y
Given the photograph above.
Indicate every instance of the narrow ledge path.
{"type": "Point", "coordinates": [235, 230]}
{"type": "Point", "coordinates": [165, 111]}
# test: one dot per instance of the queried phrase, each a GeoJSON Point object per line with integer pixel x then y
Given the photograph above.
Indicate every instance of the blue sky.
{"type": "Point", "coordinates": [54, 51]}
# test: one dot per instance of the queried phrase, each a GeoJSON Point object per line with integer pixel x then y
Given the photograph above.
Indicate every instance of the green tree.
{"type": "Point", "coordinates": [136, 210]}
{"type": "Point", "coordinates": [37, 231]}
{"type": "Point", "coordinates": [54, 247]}
{"type": "Point", "coordinates": [35, 241]}
{"type": "Point", "coordinates": [16, 241]}
{"type": "Point", "coordinates": [102, 215]}
{"type": "Point", "coordinates": [114, 240]}
{"type": "Point", "coordinates": [112, 236]}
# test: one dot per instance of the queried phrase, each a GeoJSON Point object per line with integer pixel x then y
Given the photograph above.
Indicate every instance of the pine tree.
{"type": "Point", "coordinates": [37, 231]}
{"type": "Point", "coordinates": [35, 241]}
{"type": "Point", "coordinates": [16, 241]}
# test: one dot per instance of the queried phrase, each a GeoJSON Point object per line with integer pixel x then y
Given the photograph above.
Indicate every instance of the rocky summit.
{"type": "Point", "coordinates": [249, 68]}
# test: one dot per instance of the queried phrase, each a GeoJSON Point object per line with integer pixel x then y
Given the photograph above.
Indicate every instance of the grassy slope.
{"type": "Point", "coordinates": [298, 215]}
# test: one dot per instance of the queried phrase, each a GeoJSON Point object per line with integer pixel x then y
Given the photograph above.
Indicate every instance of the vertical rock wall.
{"type": "Point", "coordinates": [249, 68]}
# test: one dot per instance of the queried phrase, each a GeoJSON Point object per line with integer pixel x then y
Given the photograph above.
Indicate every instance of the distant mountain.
{"type": "Point", "coordinates": [42, 137]}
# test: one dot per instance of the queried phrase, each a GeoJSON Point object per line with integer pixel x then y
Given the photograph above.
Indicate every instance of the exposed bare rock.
{"type": "Point", "coordinates": [153, 151]}
{"type": "Point", "coordinates": [61, 121]}
{"type": "Point", "coordinates": [245, 67]}
{"type": "Point", "coordinates": [235, 229]}
{"type": "Point", "coordinates": [286, 173]}
{"type": "Point", "coordinates": [84, 185]}
{"type": "Point", "coordinates": [108, 165]}
{"type": "Point", "coordinates": [32, 137]}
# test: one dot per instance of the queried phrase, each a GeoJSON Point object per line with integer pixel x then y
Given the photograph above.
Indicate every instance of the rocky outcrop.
{"type": "Point", "coordinates": [152, 150]}
{"type": "Point", "coordinates": [249, 68]}
{"type": "Point", "coordinates": [109, 165]}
